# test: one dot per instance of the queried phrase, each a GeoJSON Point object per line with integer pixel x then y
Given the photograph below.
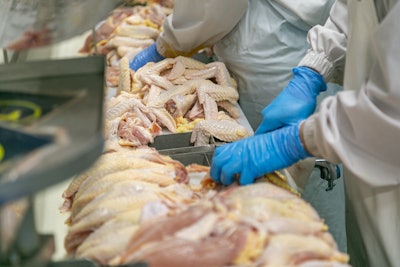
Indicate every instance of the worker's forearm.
{"type": "Point", "coordinates": [198, 24]}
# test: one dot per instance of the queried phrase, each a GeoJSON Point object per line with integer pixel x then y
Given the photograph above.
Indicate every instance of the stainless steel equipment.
{"type": "Point", "coordinates": [51, 125]}
{"type": "Point", "coordinates": [178, 143]}
{"type": "Point", "coordinates": [50, 118]}
{"type": "Point", "coordinates": [328, 171]}
{"type": "Point", "coordinates": [50, 129]}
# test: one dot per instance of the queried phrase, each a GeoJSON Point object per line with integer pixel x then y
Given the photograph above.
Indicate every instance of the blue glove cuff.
{"type": "Point", "coordinates": [150, 54]}
{"type": "Point", "coordinates": [294, 148]}
{"type": "Point", "coordinates": [155, 56]}
{"type": "Point", "coordinates": [309, 78]}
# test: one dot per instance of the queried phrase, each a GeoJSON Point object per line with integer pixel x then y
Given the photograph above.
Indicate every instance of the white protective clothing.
{"type": "Point", "coordinates": [360, 126]}
{"type": "Point", "coordinates": [259, 50]}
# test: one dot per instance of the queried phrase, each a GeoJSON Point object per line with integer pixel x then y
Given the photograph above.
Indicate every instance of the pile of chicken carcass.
{"type": "Point", "coordinates": [177, 94]}
{"type": "Point", "coordinates": [126, 32]}
{"type": "Point", "coordinates": [141, 206]}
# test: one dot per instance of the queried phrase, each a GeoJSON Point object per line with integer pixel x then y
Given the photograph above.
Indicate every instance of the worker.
{"type": "Point", "coordinates": [358, 126]}
{"type": "Point", "coordinates": [259, 42]}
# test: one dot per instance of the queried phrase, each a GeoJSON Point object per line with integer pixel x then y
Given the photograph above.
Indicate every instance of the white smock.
{"type": "Point", "coordinates": [258, 40]}
{"type": "Point", "coordinates": [360, 126]}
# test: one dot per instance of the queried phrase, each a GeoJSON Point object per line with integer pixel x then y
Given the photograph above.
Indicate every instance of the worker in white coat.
{"type": "Point", "coordinates": [259, 41]}
{"type": "Point", "coordinates": [359, 126]}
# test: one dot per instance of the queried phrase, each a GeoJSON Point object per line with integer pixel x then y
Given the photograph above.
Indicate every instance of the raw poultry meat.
{"type": "Point", "coordinates": [126, 32]}
{"type": "Point", "coordinates": [259, 234]}
{"type": "Point", "coordinates": [105, 29]}
{"type": "Point", "coordinates": [173, 94]}
{"type": "Point", "coordinates": [107, 34]}
{"type": "Point", "coordinates": [139, 159]}
{"type": "Point", "coordinates": [125, 216]}
{"type": "Point", "coordinates": [113, 193]}
{"type": "Point", "coordinates": [226, 130]}
{"type": "Point", "coordinates": [32, 39]}
{"type": "Point", "coordinates": [176, 94]}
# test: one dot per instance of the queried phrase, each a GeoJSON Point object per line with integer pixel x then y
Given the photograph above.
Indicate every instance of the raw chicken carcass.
{"type": "Point", "coordinates": [117, 220]}
{"type": "Point", "coordinates": [269, 226]}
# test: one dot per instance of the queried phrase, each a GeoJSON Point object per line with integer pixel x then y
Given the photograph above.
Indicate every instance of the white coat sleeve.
{"type": "Point", "coordinates": [194, 25]}
{"type": "Point", "coordinates": [361, 128]}
{"type": "Point", "coordinates": [328, 44]}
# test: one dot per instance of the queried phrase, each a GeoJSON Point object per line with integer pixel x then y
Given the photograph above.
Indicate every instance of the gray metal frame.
{"type": "Point", "coordinates": [76, 126]}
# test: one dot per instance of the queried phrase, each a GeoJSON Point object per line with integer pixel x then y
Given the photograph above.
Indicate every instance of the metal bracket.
{"type": "Point", "coordinates": [14, 56]}
{"type": "Point", "coordinates": [329, 172]}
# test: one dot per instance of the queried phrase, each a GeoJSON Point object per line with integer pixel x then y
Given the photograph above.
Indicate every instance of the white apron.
{"type": "Point", "coordinates": [369, 213]}
{"type": "Point", "coordinates": [262, 49]}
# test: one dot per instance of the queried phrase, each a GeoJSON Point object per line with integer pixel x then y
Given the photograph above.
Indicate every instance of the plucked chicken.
{"type": "Point", "coordinates": [138, 205]}
{"type": "Point", "coordinates": [180, 94]}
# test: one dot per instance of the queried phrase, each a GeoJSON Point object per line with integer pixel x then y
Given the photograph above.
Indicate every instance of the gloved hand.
{"type": "Point", "coordinates": [257, 155]}
{"type": "Point", "coordinates": [296, 102]}
{"type": "Point", "coordinates": [150, 54]}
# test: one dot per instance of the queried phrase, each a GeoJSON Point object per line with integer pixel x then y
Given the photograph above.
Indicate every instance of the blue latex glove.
{"type": "Point", "coordinates": [150, 54]}
{"type": "Point", "coordinates": [257, 155]}
{"type": "Point", "coordinates": [296, 102]}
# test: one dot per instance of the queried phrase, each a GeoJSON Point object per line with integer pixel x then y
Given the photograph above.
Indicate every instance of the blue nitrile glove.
{"type": "Point", "coordinates": [257, 155]}
{"type": "Point", "coordinates": [150, 54]}
{"type": "Point", "coordinates": [296, 102]}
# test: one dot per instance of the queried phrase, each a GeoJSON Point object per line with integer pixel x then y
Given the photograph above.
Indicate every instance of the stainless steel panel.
{"type": "Point", "coordinates": [73, 128]}
{"type": "Point", "coordinates": [178, 143]}
{"type": "Point", "coordinates": [198, 157]}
